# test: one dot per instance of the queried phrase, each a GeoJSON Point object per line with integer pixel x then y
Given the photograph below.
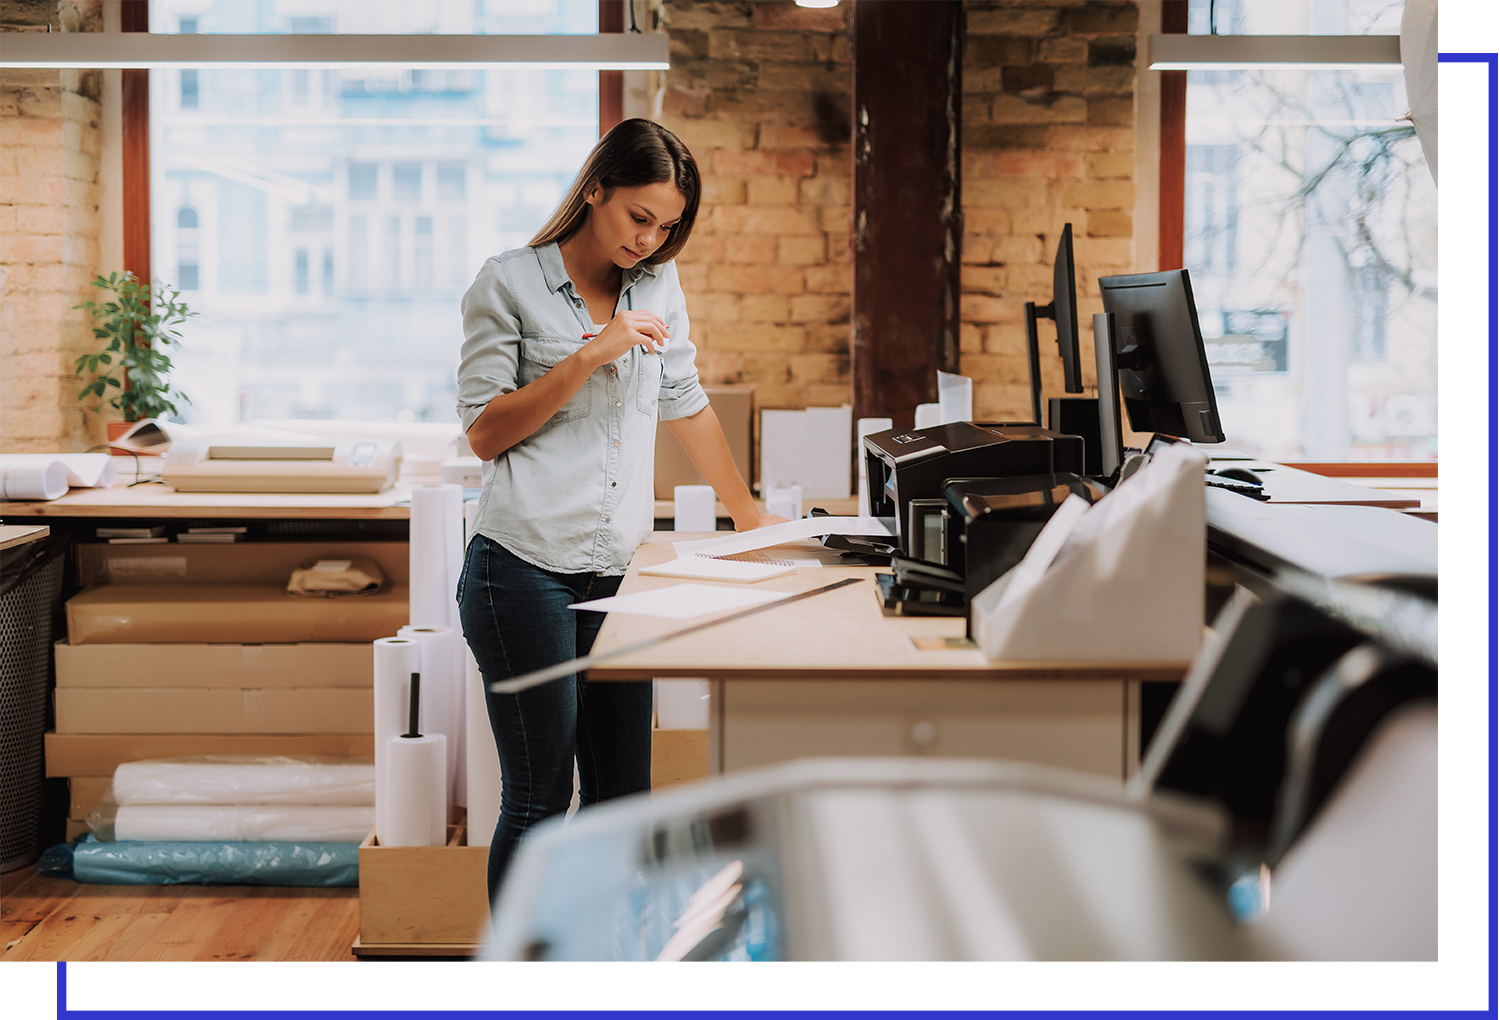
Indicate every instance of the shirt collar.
{"type": "Point", "coordinates": [556, 274]}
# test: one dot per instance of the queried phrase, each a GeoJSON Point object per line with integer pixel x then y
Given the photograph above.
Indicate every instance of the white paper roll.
{"type": "Point", "coordinates": [323, 823]}
{"type": "Point", "coordinates": [84, 470]}
{"type": "Point", "coordinates": [25, 477]}
{"type": "Point", "coordinates": [693, 508]}
{"type": "Point", "coordinates": [418, 811]}
{"type": "Point", "coordinates": [291, 782]}
{"type": "Point", "coordinates": [437, 547]}
{"type": "Point", "coordinates": [396, 659]}
{"type": "Point", "coordinates": [483, 759]}
{"type": "Point", "coordinates": [442, 693]}
{"type": "Point", "coordinates": [955, 397]}
{"type": "Point", "coordinates": [784, 500]}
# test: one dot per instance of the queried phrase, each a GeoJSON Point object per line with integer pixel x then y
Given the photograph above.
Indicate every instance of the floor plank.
{"type": "Point", "coordinates": [47, 918]}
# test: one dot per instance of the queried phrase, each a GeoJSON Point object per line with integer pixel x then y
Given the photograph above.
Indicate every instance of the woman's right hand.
{"type": "Point", "coordinates": [626, 330]}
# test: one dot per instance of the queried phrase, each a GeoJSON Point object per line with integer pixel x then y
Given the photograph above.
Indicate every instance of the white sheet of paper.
{"type": "Point", "coordinates": [681, 601]}
{"type": "Point", "coordinates": [85, 470]}
{"type": "Point", "coordinates": [776, 534]}
{"type": "Point", "coordinates": [712, 568]}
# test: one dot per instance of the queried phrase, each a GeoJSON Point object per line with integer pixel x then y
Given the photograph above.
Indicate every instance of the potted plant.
{"type": "Point", "coordinates": [140, 326]}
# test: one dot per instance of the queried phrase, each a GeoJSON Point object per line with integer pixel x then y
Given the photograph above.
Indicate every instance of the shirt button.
{"type": "Point", "coordinates": [606, 520]}
{"type": "Point", "coordinates": [612, 484]}
{"type": "Point", "coordinates": [617, 403]}
{"type": "Point", "coordinates": [617, 442]}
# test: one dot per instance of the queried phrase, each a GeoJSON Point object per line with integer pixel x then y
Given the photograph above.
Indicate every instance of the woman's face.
{"type": "Point", "coordinates": [632, 223]}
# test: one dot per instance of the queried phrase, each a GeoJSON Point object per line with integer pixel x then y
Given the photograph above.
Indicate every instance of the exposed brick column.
{"type": "Point", "coordinates": [760, 93]}
{"type": "Point", "coordinates": [49, 227]}
{"type": "Point", "coordinates": [1048, 139]}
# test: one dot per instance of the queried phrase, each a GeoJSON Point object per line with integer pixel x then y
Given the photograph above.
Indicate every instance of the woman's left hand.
{"type": "Point", "coordinates": [765, 521]}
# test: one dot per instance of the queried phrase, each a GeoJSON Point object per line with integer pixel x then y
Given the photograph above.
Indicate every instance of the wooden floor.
{"type": "Point", "coordinates": [44, 918]}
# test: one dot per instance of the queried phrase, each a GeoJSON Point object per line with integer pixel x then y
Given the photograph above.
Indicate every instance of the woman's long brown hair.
{"type": "Point", "coordinates": [635, 152]}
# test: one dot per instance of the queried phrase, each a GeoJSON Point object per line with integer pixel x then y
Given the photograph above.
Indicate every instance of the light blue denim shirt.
{"type": "Point", "coordinates": [576, 495]}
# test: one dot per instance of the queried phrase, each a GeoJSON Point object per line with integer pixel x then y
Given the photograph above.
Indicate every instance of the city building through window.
{"type": "Point", "coordinates": [1310, 230]}
{"type": "Point", "coordinates": [328, 221]}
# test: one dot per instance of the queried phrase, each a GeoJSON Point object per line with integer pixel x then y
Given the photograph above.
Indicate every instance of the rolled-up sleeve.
{"type": "Point", "coordinates": [492, 337]}
{"type": "Point", "coordinates": [681, 395]}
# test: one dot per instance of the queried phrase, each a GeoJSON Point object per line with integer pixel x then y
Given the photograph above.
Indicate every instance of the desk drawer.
{"type": "Point", "coordinates": [1073, 723]}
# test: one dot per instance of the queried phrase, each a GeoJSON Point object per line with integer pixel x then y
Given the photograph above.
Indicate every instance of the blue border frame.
{"type": "Point", "coordinates": [1493, 250]}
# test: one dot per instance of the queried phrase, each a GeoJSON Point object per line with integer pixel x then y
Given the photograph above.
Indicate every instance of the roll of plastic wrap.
{"type": "Point", "coordinates": [396, 659]}
{"type": "Point", "coordinates": [328, 865]}
{"type": "Point", "coordinates": [442, 693]}
{"type": "Point", "coordinates": [24, 477]}
{"type": "Point", "coordinates": [483, 759]}
{"type": "Point", "coordinates": [437, 549]}
{"type": "Point", "coordinates": [269, 782]}
{"type": "Point", "coordinates": [326, 823]}
{"type": "Point", "coordinates": [418, 811]}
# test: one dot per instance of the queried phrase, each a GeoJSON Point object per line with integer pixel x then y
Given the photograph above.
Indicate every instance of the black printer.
{"type": "Point", "coordinates": [916, 464]}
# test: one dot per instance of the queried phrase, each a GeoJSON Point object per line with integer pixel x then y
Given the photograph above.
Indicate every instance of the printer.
{"type": "Point", "coordinates": [906, 465]}
{"type": "Point", "coordinates": [237, 463]}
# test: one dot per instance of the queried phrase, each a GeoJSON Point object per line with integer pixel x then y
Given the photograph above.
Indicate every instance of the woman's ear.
{"type": "Point", "coordinates": [595, 196]}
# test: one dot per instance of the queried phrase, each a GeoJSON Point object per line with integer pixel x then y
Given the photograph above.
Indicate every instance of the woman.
{"type": "Point", "coordinates": [573, 345]}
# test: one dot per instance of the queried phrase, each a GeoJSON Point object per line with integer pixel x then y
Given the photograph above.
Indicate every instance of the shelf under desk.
{"type": "Point", "coordinates": [151, 500]}
{"type": "Point", "coordinates": [833, 675]}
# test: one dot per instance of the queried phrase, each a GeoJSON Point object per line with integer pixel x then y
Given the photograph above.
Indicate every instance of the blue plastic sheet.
{"type": "Point", "coordinates": [320, 865]}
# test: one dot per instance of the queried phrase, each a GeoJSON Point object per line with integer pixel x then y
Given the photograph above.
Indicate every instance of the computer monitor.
{"type": "Point", "coordinates": [1064, 311]}
{"type": "Point", "coordinates": [1162, 369]}
{"type": "Point", "coordinates": [1111, 436]}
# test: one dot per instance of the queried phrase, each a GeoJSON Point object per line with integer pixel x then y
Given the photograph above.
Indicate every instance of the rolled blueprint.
{"type": "Point", "coordinates": [84, 470]}
{"type": "Point", "coordinates": [418, 812]}
{"type": "Point", "coordinates": [437, 548]}
{"type": "Point", "coordinates": [482, 757]}
{"type": "Point", "coordinates": [286, 781]}
{"type": "Point", "coordinates": [442, 693]}
{"type": "Point", "coordinates": [330, 823]}
{"type": "Point", "coordinates": [23, 477]}
{"type": "Point", "coordinates": [396, 659]}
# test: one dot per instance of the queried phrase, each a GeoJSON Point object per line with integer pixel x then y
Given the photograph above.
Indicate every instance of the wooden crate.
{"type": "Point", "coordinates": [678, 756]}
{"type": "Point", "coordinates": [422, 900]}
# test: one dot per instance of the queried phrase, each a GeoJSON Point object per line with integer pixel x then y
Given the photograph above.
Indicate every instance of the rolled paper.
{"type": "Point", "coordinates": [483, 759]}
{"type": "Point", "coordinates": [327, 823]}
{"type": "Point", "coordinates": [442, 692]}
{"type": "Point", "coordinates": [23, 477]}
{"type": "Point", "coordinates": [266, 782]}
{"type": "Point", "coordinates": [418, 810]}
{"type": "Point", "coordinates": [396, 659]}
{"type": "Point", "coordinates": [437, 548]}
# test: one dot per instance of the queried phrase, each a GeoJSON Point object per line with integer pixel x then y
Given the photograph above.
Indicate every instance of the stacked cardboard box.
{"type": "Point", "coordinates": [192, 650]}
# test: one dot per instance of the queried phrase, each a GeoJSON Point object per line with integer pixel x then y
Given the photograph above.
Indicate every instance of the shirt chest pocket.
{"type": "Point", "coordinates": [648, 388]}
{"type": "Point", "coordinates": [540, 354]}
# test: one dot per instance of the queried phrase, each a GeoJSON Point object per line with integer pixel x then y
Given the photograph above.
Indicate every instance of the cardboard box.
{"type": "Point", "coordinates": [97, 754]}
{"type": "Point", "coordinates": [239, 563]}
{"type": "Point", "coordinates": [205, 710]}
{"type": "Point", "coordinates": [85, 793]}
{"type": "Point", "coordinates": [229, 613]}
{"type": "Point", "coordinates": [423, 895]}
{"type": "Point", "coordinates": [678, 756]}
{"type": "Point", "coordinates": [317, 664]}
{"type": "Point", "coordinates": [733, 405]}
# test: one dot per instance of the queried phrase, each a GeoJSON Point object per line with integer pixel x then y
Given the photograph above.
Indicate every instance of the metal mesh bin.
{"type": "Point", "coordinates": [31, 579]}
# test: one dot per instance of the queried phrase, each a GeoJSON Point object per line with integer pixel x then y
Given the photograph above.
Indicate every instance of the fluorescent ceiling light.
{"type": "Point", "coordinates": [817, 3]}
{"type": "Point", "coordinates": [1273, 52]}
{"type": "Point", "coordinates": [608, 52]}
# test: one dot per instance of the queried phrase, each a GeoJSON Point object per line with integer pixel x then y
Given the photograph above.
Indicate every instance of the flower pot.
{"type": "Point", "coordinates": [114, 430]}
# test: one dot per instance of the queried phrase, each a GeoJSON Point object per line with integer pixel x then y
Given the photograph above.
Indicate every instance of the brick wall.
{"type": "Point", "coordinates": [49, 226]}
{"type": "Point", "coordinates": [760, 92]}
{"type": "Point", "coordinates": [1048, 139]}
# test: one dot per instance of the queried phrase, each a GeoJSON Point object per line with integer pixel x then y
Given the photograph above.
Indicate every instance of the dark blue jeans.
{"type": "Point", "coordinates": [516, 619]}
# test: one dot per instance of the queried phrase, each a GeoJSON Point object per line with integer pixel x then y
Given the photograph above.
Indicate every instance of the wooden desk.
{"type": "Point", "coordinates": [832, 675]}
{"type": "Point", "coordinates": [20, 534]}
{"type": "Point", "coordinates": [161, 501]}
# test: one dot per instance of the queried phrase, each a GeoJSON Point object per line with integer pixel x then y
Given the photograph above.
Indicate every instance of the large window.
{"type": "Point", "coordinates": [326, 222]}
{"type": "Point", "coordinates": [1310, 230]}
